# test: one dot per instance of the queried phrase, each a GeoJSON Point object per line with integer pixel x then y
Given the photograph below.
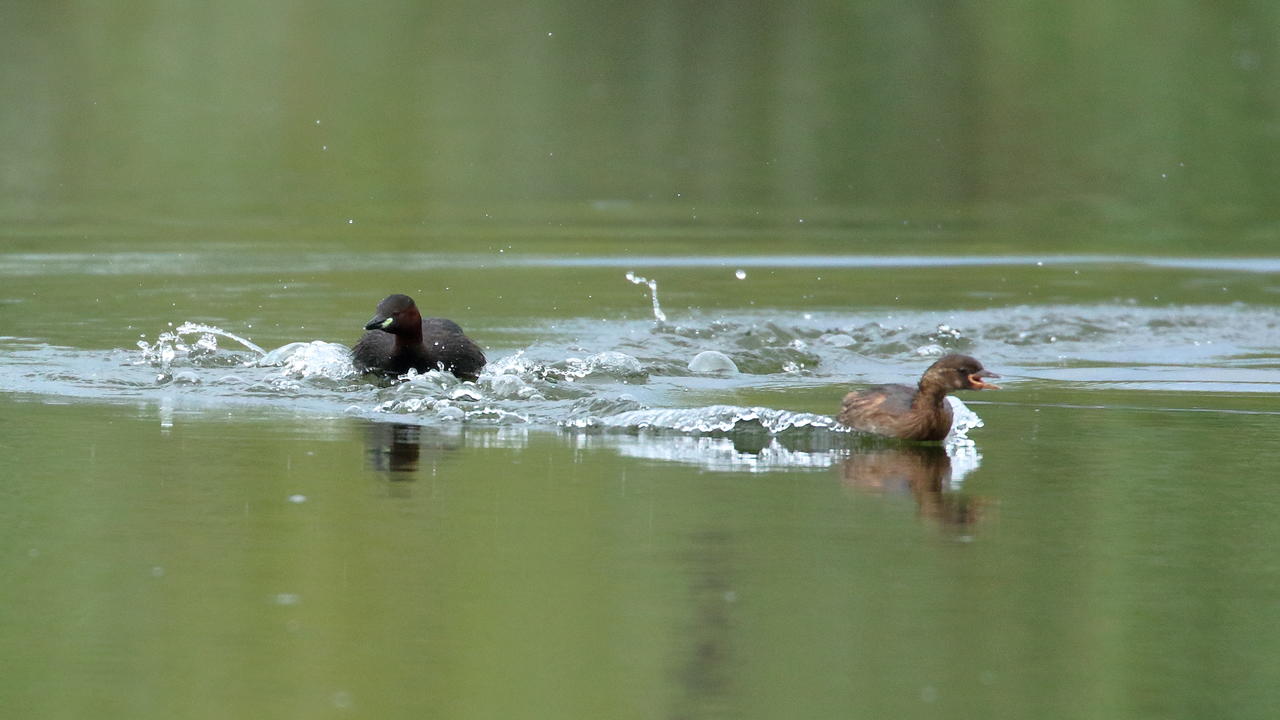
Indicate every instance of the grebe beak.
{"type": "Point", "coordinates": [976, 383]}
{"type": "Point", "coordinates": [379, 323]}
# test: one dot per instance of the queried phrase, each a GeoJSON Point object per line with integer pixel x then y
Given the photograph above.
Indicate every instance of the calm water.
{"type": "Point", "coordinates": [204, 513]}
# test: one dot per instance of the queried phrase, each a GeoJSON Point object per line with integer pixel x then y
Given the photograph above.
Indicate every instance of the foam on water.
{"type": "Point", "coordinates": [720, 454]}
{"type": "Point", "coordinates": [711, 419]}
{"type": "Point", "coordinates": [310, 359]}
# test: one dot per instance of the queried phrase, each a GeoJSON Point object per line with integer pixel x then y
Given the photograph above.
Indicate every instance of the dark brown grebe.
{"type": "Point", "coordinates": [399, 338]}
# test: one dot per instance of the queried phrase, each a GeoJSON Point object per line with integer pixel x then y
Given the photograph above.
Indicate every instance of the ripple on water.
{"type": "Point", "coordinates": [633, 377]}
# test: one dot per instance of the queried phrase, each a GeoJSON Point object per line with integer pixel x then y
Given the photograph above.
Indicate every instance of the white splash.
{"type": "Point", "coordinates": [710, 419]}
{"type": "Point", "coordinates": [187, 328]}
{"type": "Point", "coordinates": [310, 359]}
{"type": "Point", "coordinates": [963, 420]}
{"type": "Point", "coordinates": [653, 292]}
{"type": "Point", "coordinates": [609, 363]}
{"type": "Point", "coordinates": [713, 453]}
{"type": "Point", "coordinates": [171, 345]}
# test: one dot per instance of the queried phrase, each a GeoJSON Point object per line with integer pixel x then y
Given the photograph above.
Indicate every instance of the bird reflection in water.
{"type": "Point", "coordinates": [393, 448]}
{"type": "Point", "coordinates": [399, 450]}
{"type": "Point", "coordinates": [705, 662]}
{"type": "Point", "coordinates": [923, 471]}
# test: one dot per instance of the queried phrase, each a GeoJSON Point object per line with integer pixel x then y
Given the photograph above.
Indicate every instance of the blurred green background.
{"type": "Point", "coordinates": [873, 126]}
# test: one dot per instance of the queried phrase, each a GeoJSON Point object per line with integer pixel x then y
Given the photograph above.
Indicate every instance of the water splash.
{"type": "Point", "coordinates": [963, 420]}
{"type": "Point", "coordinates": [710, 419]}
{"type": "Point", "coordinates": [609, 364]}
{"type": "Point", "coordinates": [310, 359]}
{"type": "Point", "coordinates": [653, 292]}
{"type": "Point", "coordinates": [171, 345]}
{"type": "Point", "coordinates": [721, 454]}
{"type": "Point", "coordinates": [187, 328]}
{"type": "Point", "coordinates": [964, 460]}
{"type": "Point", "coordinates": [962, 450]}
{"type": "Point", "coordinates": [532, 366]}
{"type": "Point", "coordinates": [712, 361]}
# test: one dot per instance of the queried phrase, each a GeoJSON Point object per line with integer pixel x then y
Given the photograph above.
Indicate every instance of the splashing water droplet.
{"type": "Point", "coordinates": [188, 327]}
{"type": "Point", "coordinates": [653, 292]}
{"type": "Point", "coordinates": [712, 361]}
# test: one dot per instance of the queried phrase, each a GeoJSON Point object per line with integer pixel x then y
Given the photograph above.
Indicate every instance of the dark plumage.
{"type": "Point", "coordinates": [915, 413]}
{"type": "Point", "coordinates": [399, 338]}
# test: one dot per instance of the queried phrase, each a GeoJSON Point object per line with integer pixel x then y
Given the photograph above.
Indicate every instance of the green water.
{"type": "Point", "coordinates": [1084, 197]}
{"type": "Point", "coordinates": [1119, 563]}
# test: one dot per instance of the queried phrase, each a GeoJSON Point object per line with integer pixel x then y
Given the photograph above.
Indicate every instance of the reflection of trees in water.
{"type": "Point", "coordinates": [924, 472]}
{"type": "Point", "coordinates": [702, 666]}
{"type": "Point", "coordinates": [788, 106]}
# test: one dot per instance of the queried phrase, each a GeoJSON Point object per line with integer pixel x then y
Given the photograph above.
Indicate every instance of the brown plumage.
{"type": "Point", "coordinates": [399, 338]}
{"type": "Point", "coordinates": [915, 413]}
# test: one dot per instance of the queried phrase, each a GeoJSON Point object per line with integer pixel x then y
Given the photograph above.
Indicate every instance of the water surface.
{"type": "Point", "coordinates": [258, 527]}
{"type": "Point", "coordinates": [205, 513]}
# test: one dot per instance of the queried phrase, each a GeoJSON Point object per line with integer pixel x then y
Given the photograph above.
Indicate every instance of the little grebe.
{"type": "Point", "coordinates": [915, 413]}
{"type": "Point", "coordinates": [399, 338]}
